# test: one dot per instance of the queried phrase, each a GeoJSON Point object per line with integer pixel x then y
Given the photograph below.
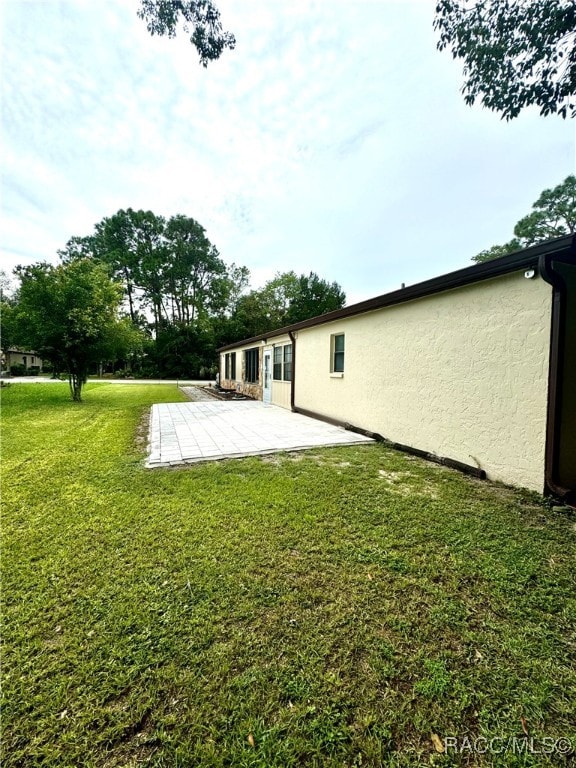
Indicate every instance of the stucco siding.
{"type": "Point", "coordinates": [462, 374]}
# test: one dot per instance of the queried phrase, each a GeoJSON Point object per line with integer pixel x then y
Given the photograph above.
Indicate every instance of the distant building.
{"type": "Point", "coordinates": [28, 358]}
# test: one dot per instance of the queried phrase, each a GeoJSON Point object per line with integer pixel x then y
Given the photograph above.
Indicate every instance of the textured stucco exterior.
{"type": "Point", "coordinates": [462, 374]}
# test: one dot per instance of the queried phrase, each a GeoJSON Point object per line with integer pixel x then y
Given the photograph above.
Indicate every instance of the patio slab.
{"type": "Point", "coordinates": [182, 433]}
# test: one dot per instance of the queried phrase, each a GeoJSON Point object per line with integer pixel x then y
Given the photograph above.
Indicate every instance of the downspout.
{"type": "Point", "coordinates": [293, 377]}
{"type": "Point", "coordinates": [555, 376]}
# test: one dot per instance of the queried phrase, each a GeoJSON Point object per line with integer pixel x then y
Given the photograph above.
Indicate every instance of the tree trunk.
{"type": "Point", "coordinates": [129, 292]}
{"type": "Point", "coordinates": [75, 387]}
{"type": "Point", "coordinates": [76, 379]}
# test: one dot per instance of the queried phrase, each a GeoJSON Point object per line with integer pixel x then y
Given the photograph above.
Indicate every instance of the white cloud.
{"type": "Point", "coordinates": [334, 138]}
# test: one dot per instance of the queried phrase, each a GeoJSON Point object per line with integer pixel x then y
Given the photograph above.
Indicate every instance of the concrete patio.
{"type": "Point", "coordinates": [182, 433]}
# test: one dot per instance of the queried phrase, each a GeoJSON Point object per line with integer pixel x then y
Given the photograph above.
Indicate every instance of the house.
{"type": "Point", "coordinates": [475, 368]}
{"type": "Point", "coordinates": [26, 358]}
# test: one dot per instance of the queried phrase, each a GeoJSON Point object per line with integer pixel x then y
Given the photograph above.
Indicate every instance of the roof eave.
{"type": "Point", "coordinates": [526, 258]}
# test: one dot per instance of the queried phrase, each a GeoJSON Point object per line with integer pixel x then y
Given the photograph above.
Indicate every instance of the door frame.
{"type": "Point", "coordinates": [267, 375]}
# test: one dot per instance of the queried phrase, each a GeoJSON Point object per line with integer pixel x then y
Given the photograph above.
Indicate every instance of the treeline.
{"type": "Point", "coordinates": [178, 299]}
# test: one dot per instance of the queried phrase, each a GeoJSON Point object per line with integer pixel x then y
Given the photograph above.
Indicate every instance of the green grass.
{"type": "Point", "coordinates": [324, 608]}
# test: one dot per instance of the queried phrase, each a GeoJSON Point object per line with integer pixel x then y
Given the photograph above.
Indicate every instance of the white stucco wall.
{"type": "Point", "coordinates": [462, 374]}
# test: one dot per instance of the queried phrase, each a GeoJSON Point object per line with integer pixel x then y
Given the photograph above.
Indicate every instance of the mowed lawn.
{"type": "Point", "coordinates": [337, 607]}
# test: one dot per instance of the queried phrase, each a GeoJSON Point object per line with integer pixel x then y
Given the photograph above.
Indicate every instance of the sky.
{"type": "Point", "coordinates": [334, 138]}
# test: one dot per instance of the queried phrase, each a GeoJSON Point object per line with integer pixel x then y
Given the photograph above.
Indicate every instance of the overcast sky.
{"type": "Point", "coordinates": [334, 138]}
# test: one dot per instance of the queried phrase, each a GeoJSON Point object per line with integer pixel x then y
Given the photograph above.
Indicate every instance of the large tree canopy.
{"type": "Point", "coordinates": [553, 215]}
{"type": "Point", "coordinates": [199, 18]}
{"type": "Point", "coordinates": [69, 315]}
{"type": "Point", "coordinates": [168, 268]}
{"type": "Point", "coordinates": [515, 52]}
{"type": "Point", "coordinates": [178, 288]}
{"type": "Point", "coordinates": [314, 296]}
{"type": "Point", "coordinates": [285, 299]}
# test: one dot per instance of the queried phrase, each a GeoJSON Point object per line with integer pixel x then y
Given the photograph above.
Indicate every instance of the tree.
{"type": "Point", "coordinates": [69, 314]}
{"type": "Point", "coordinates": [515, 52]}
{"type": "Point", "coordinates": [173, 275]}
{"type": "Point", "coordinates": [314, 296]}
{"type": "Point", "coordinates": [113, 243]}
{"type": "Point", "coordinates": [200, 18]}
{"type": "Point", "coordinates": [286, 299]}
{"type": "Point", "coordinates": [123, 343]}
{"type": "Point", "coordinates": [553, 215]}
{"type": "Point", "coordinates": [192, 271]}
{"type": "Point", "coordinates": [184, 351]}
{"type": "Point", "coordinates": [498, 250]}
{"type": "Point", "coordinates": [168, 268]}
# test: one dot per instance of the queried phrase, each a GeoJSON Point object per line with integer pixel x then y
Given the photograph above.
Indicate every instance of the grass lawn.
{"type": "Point", "coordinates": [335, 607]}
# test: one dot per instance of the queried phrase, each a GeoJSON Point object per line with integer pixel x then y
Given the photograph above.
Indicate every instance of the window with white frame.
{"type": "Point", "coordinates": [337, 353]}
{"type": "Point", "coordinates": [282, 369]}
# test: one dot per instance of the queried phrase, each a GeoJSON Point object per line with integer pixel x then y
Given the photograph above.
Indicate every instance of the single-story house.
{"type": "Point", "coordinates": [27, 358]}
{"type": "Point", "coordinates": [476, 368]}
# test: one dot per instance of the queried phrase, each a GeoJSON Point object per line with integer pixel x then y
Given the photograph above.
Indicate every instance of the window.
{"type": "Point", "coordinates": [288, 362]}
{"type": "Point", "coordinates": [251, 365]}
{"type": "Point", "coordinates": [283, 363]}
{"type": "Point", "coordinates": [230, 365]}
{"type": "Point", "coordinates": [337, 344]}
{"type": "Point", "coordinates": [277, 364]}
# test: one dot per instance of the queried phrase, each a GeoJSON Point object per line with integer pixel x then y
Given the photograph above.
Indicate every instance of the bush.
{"type": "Point", "coordinates": [19, 369]}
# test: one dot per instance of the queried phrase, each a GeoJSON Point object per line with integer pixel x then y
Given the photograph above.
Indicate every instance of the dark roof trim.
{"type": "Point", "coordinates": [525, 259]}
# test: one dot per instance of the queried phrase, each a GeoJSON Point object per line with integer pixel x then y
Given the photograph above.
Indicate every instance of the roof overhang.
{"type": "Point", "coordinates": [528, 258]}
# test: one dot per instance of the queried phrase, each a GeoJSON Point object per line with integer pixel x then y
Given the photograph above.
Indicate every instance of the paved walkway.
{"type": "Point", "coordinates": [197, 394]}
{"type": "Point", "coordinates": [204, 431]}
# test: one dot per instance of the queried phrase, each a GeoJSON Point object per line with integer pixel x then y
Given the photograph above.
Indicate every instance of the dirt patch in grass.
{"type": "Point", "coordinates": [142, 435]}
